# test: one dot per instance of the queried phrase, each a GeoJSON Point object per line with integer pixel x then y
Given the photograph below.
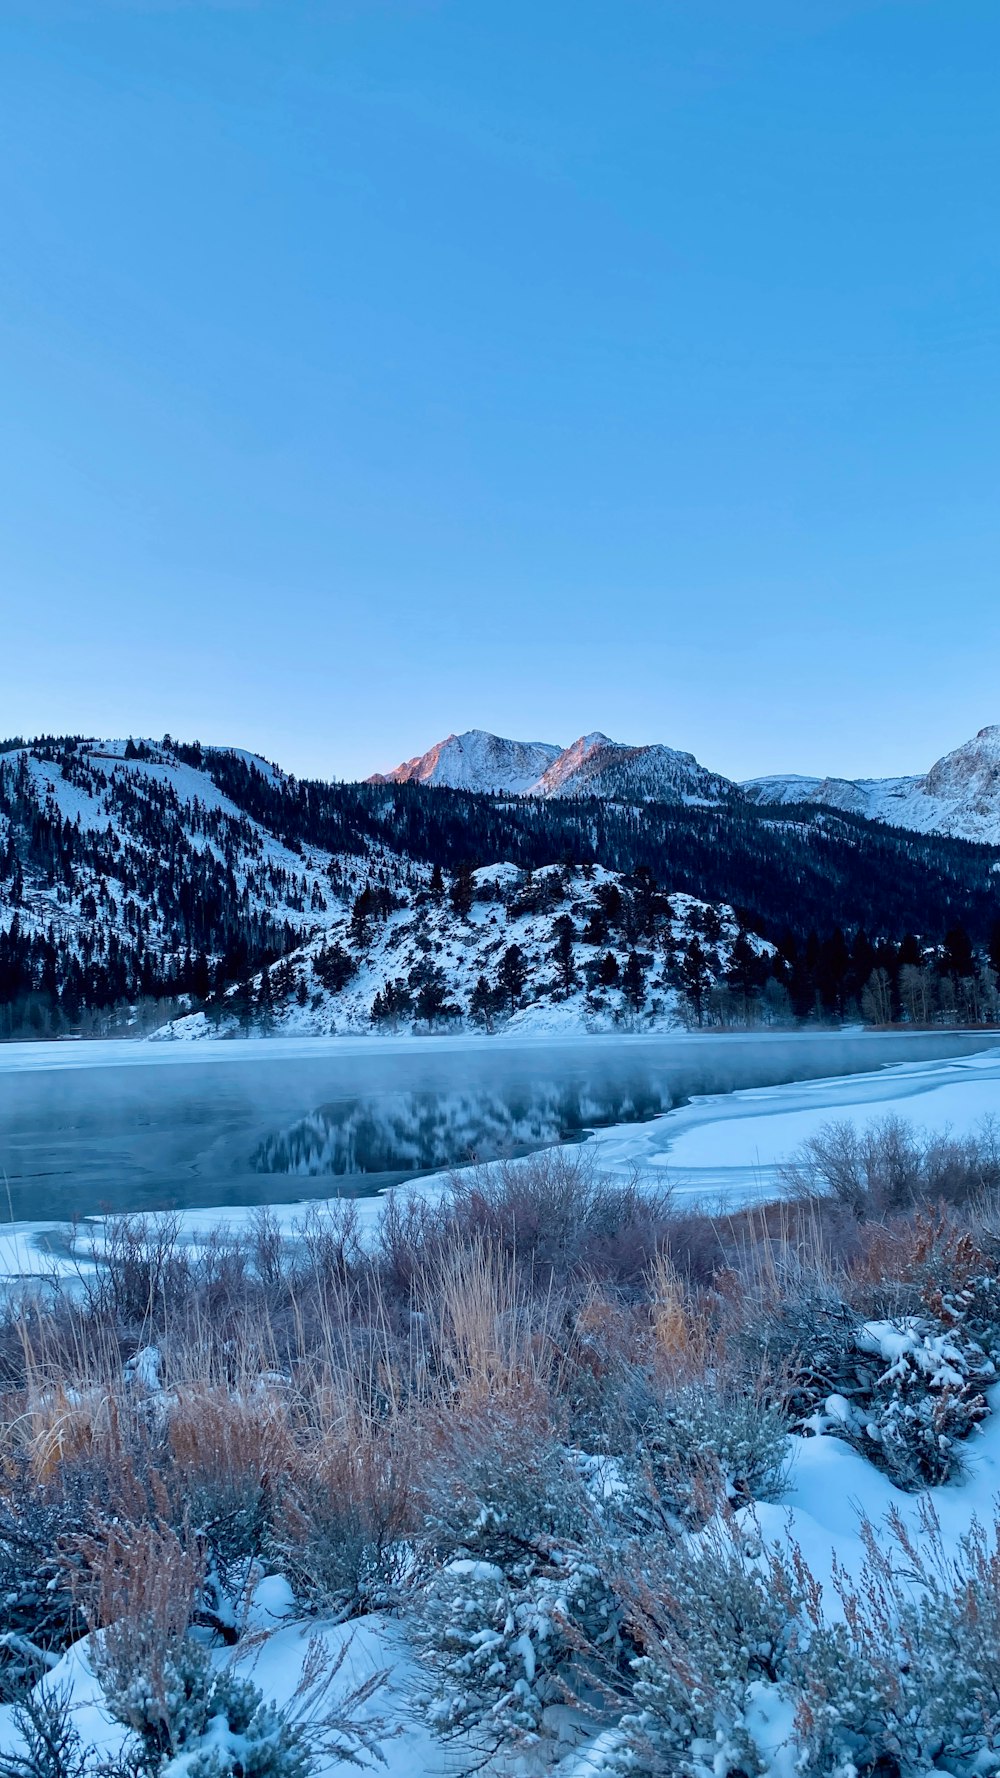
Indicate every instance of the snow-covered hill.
{"type": "Point", "coordinates": [559, 949]}
{"type": "Point", "coordinates": [127, 873]}
{"type": "Point", "coordinates": [960, 795]}
{"type": "Point", "coordinates": [591, 766]}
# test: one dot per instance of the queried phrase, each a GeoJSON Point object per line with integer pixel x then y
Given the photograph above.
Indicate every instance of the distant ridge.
{"type": "Point", "coordinates": [593, 766]}
{"type": "Point", "coordinates": [959, 796]}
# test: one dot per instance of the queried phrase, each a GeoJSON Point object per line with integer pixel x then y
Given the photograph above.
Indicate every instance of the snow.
{"type": "Point", "coordinates": [275, 1658]}
{"type": "Point", "coordinates": [960, 795]}
{"type": "Point", "coordinates": [420, 932]}
{"type": "Point", "coordinates": [730, 1147]}
{"type": "Point", "coordinates": [279, 883]}
{"type": "Point", "coordinates": [593, 765]}
{"type": "Point", "coordinates": [477, 761]}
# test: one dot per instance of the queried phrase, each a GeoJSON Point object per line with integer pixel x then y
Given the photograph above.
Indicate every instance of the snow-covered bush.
{"type": "Point", "coordinates": [39, 1571]}
{"type": "Point", "coordinates": [505, 1647]}
{"type": "Point", "coordinates": [712, 1434]}
{"type": "Point", "coordinates": [911, 1676]}
{"type": "Point", "coordinates": [500, 1487]}
{"type": "Point", "coordinates": [336, 1548]}
{"type": "Point", "coordinates": [716, 1620]}
{"type": "Point", "coordinates": [190, 1720]}
{"type": "Point", "coordinates": [911, 1409]}
{"type": "Point", "coordinates": [51, 1744]}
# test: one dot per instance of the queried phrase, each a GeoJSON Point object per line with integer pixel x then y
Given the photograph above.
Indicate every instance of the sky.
{"type": "Point", "coordinates": [373, 369]}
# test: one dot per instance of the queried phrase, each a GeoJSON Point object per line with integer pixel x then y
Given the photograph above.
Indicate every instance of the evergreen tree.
{"type": "Point", "coordinates": [512, 975]}
{"type": "Point", "coordinates": [564, 934]}
{"type": "Point", "coordinates": [695, 977]}
{"type": "Point", "coordinates": [463, 891]}
{"type": "Point", "coordinates": [481, 1004]}
{"type": "Point", "coordinates": [608, 973]}
{"type": "Point", "coordinates": [634, 982]}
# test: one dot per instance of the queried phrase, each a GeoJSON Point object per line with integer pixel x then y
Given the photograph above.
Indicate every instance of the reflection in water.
{"type": "Point", "coordinates": [253, 1128]}
{"type": "Point", "coordinates": [420, 1131]}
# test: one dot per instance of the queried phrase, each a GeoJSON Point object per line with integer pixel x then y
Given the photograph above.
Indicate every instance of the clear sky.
{"type": "Point", "coordinates": [377, 368]}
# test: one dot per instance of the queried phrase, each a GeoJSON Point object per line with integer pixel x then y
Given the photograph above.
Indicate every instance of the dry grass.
{"type": "Point", "coordinates": [311, 1397]}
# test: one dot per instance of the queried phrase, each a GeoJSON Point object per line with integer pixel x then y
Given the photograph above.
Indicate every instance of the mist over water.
{"type": "Point", "coordinates": [249, 1128]}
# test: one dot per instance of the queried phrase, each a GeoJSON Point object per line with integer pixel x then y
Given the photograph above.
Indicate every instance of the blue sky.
{"type": "Point", "coordinates": [377, 369]}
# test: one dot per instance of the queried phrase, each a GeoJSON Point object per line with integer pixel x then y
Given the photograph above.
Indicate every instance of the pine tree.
{"type": "Point", "coordinates": [634, 982]}
{"type": "Point", "coordinates": [481, 1003]}
{"type": "Point", "coordinates": [695, 977]}
{"type": "Point", "coordinates": [512, 975]}
{"type": "Point", "coordinates": [564, 934]}
{"type": "Point", "coordinates": [463, 891]}
{"type": "Point", "coordinates": [608, 973]}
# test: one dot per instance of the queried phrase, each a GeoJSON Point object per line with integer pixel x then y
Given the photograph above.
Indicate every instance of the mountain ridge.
{"type": "Point", "coordinates": [959, 796]}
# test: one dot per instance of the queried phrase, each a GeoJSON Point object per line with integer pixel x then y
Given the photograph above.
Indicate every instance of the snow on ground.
{"type": "Point", "coordinates": [830, 1487]}
{"type": "Point", "coordinates": [273, 1655]}
{"type": "Point", "coordinates": [730, 1146]}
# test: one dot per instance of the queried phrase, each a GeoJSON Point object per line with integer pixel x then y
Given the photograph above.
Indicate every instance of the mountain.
{"type": "Point", "coordinates": [959, 796]}
{"type": "Point", "coordinates": [476, 761]}
{"type": "Point", "coordinates": [595, 766]}
{"type": "Point", "coordinates": [592, 766]}
{"type": "Point", "coordinates": [138, 878]}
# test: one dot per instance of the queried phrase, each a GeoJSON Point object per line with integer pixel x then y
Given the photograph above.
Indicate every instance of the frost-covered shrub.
{"type": "Point", "coordinates": [232, 1515]}
{"type": "Point", "coordinates": [712, 1433]}
{"type": "Point", "coordinates": [716, 1620]}
{"type": "Point", "coordinates": [39, 1600]}
{"type": "Point", "coordinates": [910, 1410]}
{"type": "Point", "coordinates": [51, 1743]}
{"type": "Point", "coordinates": [499, 1486]}
{"type": "Point", "coordinates": [891, 1166]}
{"type": "Point", "coordinates": [504, 1647]}
{"type": "Point", "coordinates": [191, 1721]}
{"type": "Point", "coordinates": [911, 1677]}
{"type": "Point", "coordinates": [337, 1545]}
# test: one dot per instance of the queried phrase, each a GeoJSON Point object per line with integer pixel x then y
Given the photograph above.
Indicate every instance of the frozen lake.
{"type": "Point", "coordinates": [116, 1126]}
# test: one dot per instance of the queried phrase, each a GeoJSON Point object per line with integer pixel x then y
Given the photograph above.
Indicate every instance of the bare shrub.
{"type": "Point", "coordinates": [890, 1166]}
{"type": "Point", "coordinates": [556, 1211]}
{"type": "Point", "coordinates": [147, 1585]}
{"type": "Point", "coordinates": [52, 1744]}
{"type": "Point", "coordinates": [229, 1451]}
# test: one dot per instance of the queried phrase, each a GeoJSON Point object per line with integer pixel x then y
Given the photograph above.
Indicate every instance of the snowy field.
{"type": "Point", "coordinates": [729, 1147]}
{"type": "Point", "coordinates": [830, 1491]}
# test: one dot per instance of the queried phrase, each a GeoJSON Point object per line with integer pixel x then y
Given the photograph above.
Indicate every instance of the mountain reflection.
{"type": "Point", "coordinates": [411, 1132]}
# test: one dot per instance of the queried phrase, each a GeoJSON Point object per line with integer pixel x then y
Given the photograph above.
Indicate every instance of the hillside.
{"type": "Point", "coordinates": [559, 949]}
{"type": "Point", "coordinates": [138, 879]}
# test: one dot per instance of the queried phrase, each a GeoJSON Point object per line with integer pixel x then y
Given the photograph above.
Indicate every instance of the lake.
{"type": "Point", "coordinates": [119, 1126]}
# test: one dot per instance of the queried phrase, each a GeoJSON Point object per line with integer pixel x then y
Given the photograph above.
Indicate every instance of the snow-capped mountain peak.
{"type": "Point", "coordinates": [959, 796]}
{"type": "Point", "coordinates": [593, 765]}
{"type": "Point", "coordinates": [476, 760]}
{"type": "Point", "coordinates": [597, 766]}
